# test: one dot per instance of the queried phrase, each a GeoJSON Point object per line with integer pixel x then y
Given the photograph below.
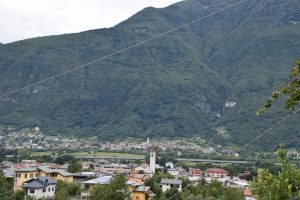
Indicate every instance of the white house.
{"type": "Point", "coordinates": [40, 187]}
{"type": "Point", "coordinates": [143, 167]}
{"type": "Point", "coordinates": [169, 165]}
{"type": "Point", "coordinates": [233, 182]}
{"type": "Point", "coordinates": [176, 171]}
{"type": "Point", "coordinates": [167, 184]}
{"type": "Point", "coordinates": [103, 180]}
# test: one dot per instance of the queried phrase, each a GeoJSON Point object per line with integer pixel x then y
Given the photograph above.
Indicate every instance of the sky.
{"type": "Point", "coordinates": [22, 19]}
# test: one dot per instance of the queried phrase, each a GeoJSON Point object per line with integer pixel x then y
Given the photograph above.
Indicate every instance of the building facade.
{"type": "Point", "coordinates": [27, 173]}
{"type": "Point", "coordinates": [167, 184]}
{"type": "Point", "coordinates": [40, 188]}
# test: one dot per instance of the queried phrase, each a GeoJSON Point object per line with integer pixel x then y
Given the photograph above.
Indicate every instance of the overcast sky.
{"type": "Point", "coordinates": [21, 19]}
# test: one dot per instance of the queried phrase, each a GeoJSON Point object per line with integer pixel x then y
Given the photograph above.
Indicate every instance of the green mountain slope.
{"type": "Point", "coordinates": [177, 85]}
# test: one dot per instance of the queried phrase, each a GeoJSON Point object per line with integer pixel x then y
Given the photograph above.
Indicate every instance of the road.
{"type": "Point", "coordinates": [178, 159]}
{"type": "Point", "coordinates": [213, 161]}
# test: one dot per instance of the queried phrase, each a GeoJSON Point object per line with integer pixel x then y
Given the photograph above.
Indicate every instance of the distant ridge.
{"type": "Point", "coordinates": [206, 80]}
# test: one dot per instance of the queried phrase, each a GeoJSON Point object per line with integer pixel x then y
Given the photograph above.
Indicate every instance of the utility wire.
{"type": "Point", "coordinates": [181, 191]}
{"type": "Point", "coordinates": [251, 142]}
{"type": "Point", "coordinates": [146, 41]}
{"type": "Point", "coordinates": [122, 50]}
{"type": "Point", "coordinates": [269, 130]}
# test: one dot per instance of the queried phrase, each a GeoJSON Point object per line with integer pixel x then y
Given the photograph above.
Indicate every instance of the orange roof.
{"type": "Point", "coordinates": [139, 176]}
{"type": "Point", "coordinates": [18, 166]}
{"type": "Point", "coordinates": [216, 171]}
{"type": "Point", "coordinates": [136, 180]}
{"type": "Point", "coordinates": [247, 192]}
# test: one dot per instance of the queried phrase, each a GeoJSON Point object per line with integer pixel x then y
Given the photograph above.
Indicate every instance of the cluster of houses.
{"type": "Point", "coordinates": [35, 139]}
{"type": "Point", "coordinates": [39, 180]}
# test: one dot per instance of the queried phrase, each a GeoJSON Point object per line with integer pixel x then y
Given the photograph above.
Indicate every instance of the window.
{"type": "Point", "coordinates": [44, 189]}
{"type": "Point", "coordinates": [25, 175]}
{"type": "Point", "coordinates": [31, 191]}
{"type": "Point", "coordinates": [52, 189]}
{"type": "Point", "coordinates": [137, 198]}
{"type": "Point", "coordinates": [31, 175]}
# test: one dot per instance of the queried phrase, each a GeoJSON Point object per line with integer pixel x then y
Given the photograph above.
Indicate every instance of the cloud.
{"type": "Point", "coordinates": [33, 18]}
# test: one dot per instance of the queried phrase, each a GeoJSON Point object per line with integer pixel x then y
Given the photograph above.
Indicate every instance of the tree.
{"type": "Point", "coordinates": [117, 189]}
{"type": "Point", "coordinates": [203, 181]}
{"type": "Point", "coordinates": [44, 158]}
{"type": "Point", "coordinates": [147, 158]}
{"type": "Point", "coordinates": [65, 190]}
{"type": "Point", "coordinates": [154, 182]}
{"type": "Point", "coordinates": [285, 185]}
{"type": "Point", "coordinates": [173, 193]}
{"type": "Point", "coordinates": [232, 193]}
{"type": "Point", "coordinates": [185, 182]}
{"type": "Point", "coordinates": [6, 188]}
{"type": "Point", "coordinates": [216, 191]}
{"type": "Point", "coordinates": [61, 194]}
{"type": "Point", "coordinates": [75, 166]}
{"type": "Point", "coordinates": [19, 195]}
{"type": "Point", "coordinates": [24, 153]}
{"type": "Point", "coordinates": [291, 89]}
{"type": "Point", "coordinates": [65, 158]}
{"type": "Point", "coordinates": [164, 159]}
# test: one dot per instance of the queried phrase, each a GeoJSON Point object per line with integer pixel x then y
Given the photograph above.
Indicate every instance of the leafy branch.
{"type": "Point", "coordinates": [291, 89]}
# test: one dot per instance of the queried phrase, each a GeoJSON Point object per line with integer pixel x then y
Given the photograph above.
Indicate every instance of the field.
{"type": "Point", "coordinates": [100, 154]}
{"type": "Point", "coordinates": [107, 154]}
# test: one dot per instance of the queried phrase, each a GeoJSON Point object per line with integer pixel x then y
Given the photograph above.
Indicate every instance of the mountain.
{"type": "Point", "coordinates": [206, 79]}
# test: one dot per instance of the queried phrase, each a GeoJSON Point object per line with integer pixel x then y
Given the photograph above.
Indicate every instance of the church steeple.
{"type": "Point", "coordinates": [152, 158]}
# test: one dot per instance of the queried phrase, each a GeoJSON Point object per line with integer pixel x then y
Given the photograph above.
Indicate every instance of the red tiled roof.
{"type": "Point", "coordinates": [139, 176]}
{"type": "Point", "coordinates": [18, 166]}
{"type": "Point", "coordinates": [216, 171]}
{"type": "Point", "coordinates": [194, 171]}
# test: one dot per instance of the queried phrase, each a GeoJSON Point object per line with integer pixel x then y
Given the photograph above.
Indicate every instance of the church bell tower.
{"type": "Point", "coordinates": [152, 158]}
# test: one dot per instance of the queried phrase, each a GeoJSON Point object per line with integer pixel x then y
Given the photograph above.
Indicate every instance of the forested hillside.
{"type": "Point", "coordinates": [206, 79]}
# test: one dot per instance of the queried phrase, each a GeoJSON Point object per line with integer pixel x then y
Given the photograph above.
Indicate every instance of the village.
{"type": "Point", "coordinates": [38, 180]}
{"type": "Point", "coordinates": [36, 140]}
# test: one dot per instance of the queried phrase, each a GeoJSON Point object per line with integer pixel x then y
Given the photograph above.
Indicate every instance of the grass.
{"type": "Point", "coordinates": [223, 132]}
{"type": "Point", "coordinates": [38, 153]}
{"type": "Point", "coordinates": [190, 164]}
{"type": "Point", "coordinates": [100, 153]}
{"type": "Point", "coordinates": [107, 154]}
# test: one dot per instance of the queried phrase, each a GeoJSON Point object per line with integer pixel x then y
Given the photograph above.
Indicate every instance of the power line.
{"type": "Point", "coordinates": [251, 142]}
{"type": "Point", "coordinates": [122, 50]}
{"type": "Point", "coordinates": [269, 130]}
{"type": "Point", "coordinates": [180, 192]}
